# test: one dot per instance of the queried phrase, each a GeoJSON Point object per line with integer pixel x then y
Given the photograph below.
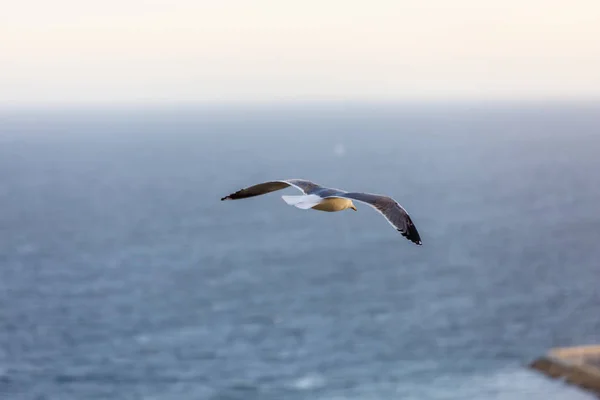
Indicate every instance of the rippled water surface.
{"type": "Point", "coordinates": [122, 275]}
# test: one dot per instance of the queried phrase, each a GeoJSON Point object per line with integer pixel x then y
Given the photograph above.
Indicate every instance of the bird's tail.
{"type": "Point", "coordinates": [304, 202]}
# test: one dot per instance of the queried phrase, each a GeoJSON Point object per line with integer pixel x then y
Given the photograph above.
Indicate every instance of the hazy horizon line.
{"type": "Point", "coordinates": [296, 103]}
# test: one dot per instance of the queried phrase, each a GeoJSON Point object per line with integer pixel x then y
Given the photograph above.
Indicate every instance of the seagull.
{"type": "Point", "coordinates": [322, 198]}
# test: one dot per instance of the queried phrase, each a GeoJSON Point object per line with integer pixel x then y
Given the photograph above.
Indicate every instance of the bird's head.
{"type": "Point", "coordinates": [352, 206]}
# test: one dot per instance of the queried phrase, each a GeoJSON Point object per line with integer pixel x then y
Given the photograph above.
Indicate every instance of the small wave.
{"type": "Point", "coordinates": [26, 249]}
{"type": "Point", "coordinates": [309, 382]}
{"type": "Point", "coordinates": [4, 376]}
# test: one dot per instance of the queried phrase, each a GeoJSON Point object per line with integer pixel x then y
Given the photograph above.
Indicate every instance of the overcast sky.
{"type": "Point", "coordinates": [124, 51]}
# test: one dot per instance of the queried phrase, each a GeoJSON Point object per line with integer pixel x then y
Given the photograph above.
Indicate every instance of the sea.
{"type": "Point", "coordinates": [123, 275]}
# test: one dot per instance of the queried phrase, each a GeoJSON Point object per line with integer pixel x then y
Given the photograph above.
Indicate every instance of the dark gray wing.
{"type": "Point", "coordinates": [267, 187]}
{"type": "Point", "coordinates": [307, 187]}
{"type": "Point", "coordinates": [391, 210]}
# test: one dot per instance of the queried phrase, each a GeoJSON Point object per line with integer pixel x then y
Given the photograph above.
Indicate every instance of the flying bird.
{"type": "Point", "coordinates": [322, 198]}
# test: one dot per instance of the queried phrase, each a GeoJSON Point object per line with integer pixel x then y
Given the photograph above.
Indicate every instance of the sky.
{"type": "Point", "coordinates": [222, 51]}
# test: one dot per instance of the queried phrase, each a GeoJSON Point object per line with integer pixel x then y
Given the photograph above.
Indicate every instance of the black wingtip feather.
{"type": "Point", "coordinates": [412, 235]}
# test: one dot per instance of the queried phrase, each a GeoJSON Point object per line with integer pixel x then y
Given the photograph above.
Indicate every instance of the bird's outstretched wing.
{"type": "Point", "coordinates": [267, 187]}
{"type": "Point", "coordinates": [391, 210]}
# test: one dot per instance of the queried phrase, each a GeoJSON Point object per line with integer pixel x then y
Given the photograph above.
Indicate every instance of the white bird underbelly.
{"type": "Point", "coordinates": [317, 203]}
{"type": "Point", "coordinates": [332, 205]}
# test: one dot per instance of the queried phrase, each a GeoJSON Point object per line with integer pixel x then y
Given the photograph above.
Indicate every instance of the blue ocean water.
{"type": "Point", "coordinates": [122, 275]}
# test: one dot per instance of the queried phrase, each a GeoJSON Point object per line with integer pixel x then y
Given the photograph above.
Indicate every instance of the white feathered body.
{"type": "Point", "coordinates": [334, 204]}
{"type": "Point", "coordinates": [317, 203]}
